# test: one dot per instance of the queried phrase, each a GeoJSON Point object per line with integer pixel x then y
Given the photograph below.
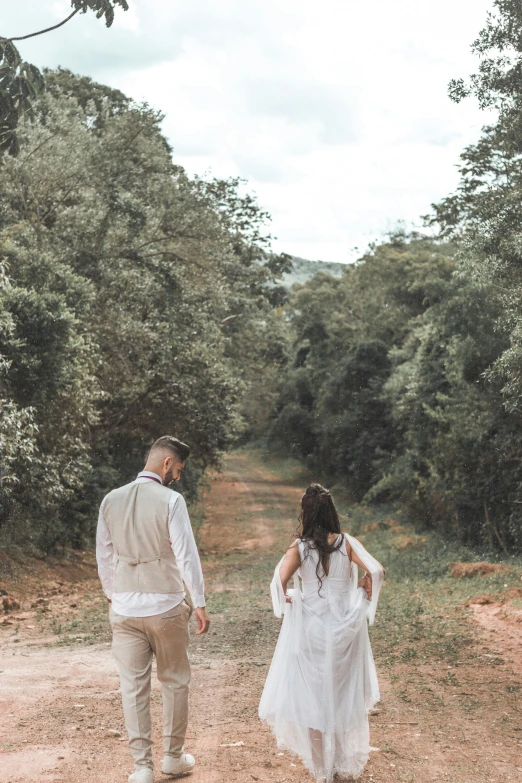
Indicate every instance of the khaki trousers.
{"type": "Point", "coordinates": [134, 641]}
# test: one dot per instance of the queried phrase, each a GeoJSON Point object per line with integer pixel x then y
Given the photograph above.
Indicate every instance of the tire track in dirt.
{"type": "Point", "coordinates": [244, 511]}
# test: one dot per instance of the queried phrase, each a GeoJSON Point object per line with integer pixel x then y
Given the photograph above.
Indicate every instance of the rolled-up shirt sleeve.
{"type": "Point", "coordinates": [104, 554]}
{"type": "Point", "coordinates": [185, 549]}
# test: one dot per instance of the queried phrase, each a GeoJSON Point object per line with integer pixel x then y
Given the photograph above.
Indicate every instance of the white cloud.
{"type": "Point", "coordinates": [337, 112]}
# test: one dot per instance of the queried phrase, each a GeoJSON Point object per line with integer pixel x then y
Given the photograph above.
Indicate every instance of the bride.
{"type": "Point", "coordinates": [322, 680]}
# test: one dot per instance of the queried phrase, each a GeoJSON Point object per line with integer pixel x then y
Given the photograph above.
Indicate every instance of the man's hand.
{"type": "Point", "coordinates": [203, 620]}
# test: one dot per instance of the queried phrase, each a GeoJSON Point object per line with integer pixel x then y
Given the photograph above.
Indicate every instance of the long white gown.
{"type": "Point", "coordinates": [322, 680]}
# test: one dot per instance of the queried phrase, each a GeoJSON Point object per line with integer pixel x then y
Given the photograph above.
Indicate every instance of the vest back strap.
{"type": "Point", "coordinates": [134, 561]}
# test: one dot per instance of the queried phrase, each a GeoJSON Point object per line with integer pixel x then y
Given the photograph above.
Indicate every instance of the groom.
{"type": "Point", "coordinates": [145, 550]}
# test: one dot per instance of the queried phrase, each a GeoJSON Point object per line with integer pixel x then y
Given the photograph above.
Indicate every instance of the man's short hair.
{"type": "Point", "coordinates": [172, 444]}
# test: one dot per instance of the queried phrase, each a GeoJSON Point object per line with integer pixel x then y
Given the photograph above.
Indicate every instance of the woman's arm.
{"type": "Point", "coordinates": [356, 559]}
{"type": "Point", "coordinates": [289, 566]}
{"type": "Point", "coordinates": [366, 581]}
{"type": "Point", "coordinates": [374, 573]}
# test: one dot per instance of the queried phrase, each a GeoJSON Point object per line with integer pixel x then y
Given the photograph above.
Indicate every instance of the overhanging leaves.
{"type": "Point", "coordinates": [20, 82]}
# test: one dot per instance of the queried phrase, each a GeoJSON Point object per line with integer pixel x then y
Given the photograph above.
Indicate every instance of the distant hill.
{"type": "Point", "coordinates": [303, 270]}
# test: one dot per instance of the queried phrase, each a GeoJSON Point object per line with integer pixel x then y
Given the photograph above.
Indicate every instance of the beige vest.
{"type": "Point", "coordinates": [137, 518]}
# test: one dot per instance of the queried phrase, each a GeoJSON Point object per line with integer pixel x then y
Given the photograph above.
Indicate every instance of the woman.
{"type": "Point", "coordinates": [322, 680]}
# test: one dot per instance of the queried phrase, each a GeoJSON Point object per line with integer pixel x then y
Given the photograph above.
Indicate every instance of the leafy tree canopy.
{"type": "Point", "coordinates": [135, 300]}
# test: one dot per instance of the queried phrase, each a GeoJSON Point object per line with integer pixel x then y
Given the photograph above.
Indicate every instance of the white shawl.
{"type": "Point", "coordinates": [281, 606]}
{"type": "Point", "coordinates": [373, 568]}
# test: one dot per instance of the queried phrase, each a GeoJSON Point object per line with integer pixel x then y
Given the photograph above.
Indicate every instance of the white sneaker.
{"type": "Point", "coordinates": [177, 767]}
{"type": "Point", "coordinates": [142, 775]}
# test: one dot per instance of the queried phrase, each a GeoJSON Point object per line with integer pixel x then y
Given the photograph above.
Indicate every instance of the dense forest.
{"type": "Point", "coordinates": [136, 300]}
{"type": "Point", "coordinates": [404, 377]}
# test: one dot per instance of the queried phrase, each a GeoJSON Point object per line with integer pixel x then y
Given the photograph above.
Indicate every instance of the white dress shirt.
{"type": "Point", "coordinates": [184, 548]}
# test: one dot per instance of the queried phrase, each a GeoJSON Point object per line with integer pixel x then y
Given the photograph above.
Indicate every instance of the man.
{"type": "Point", "coordinates": [145, 550]}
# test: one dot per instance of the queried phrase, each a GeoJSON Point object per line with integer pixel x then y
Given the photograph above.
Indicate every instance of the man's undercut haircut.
{"type": "Point", "coordinates": [172, 444]}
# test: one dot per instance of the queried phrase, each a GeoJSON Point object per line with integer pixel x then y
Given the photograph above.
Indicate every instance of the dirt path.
{"type": "Point", "coordinates": [453, 719]}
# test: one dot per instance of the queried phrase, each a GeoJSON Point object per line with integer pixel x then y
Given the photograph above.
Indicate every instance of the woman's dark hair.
{"type": "Point", "coordinates": [319, 518]}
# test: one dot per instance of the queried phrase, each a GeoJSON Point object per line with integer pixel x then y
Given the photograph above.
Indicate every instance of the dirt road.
{"type": "Point", "coordinates": [449, 709]}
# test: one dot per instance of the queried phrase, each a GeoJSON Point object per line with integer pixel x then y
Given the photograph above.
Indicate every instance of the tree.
{"type": "Point", "coordinates": [449, 467]}
{"type": "Point", "coordinates": [405, 381]}
{"type": "Point", "coordinates": [391, 390]}
{"type": "Point", "coordinates": [331, 406]}
{"type": "Point", "coordinates": [21, 82]}
{"type": "Point", "coordinates": [136, 297]}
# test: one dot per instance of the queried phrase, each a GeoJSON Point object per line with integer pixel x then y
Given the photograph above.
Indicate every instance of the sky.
{"type": "Point", "coordinates": [334, 111]}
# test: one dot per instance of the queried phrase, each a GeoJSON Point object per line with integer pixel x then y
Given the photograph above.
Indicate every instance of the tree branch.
{"type": "Point", "coordinates": [40, 32]}
{"type": "Point", "coordinates": [45, 141]}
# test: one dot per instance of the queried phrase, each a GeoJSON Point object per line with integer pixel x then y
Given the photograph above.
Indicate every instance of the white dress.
{"type": "Point", "coordinates": [322, 680]}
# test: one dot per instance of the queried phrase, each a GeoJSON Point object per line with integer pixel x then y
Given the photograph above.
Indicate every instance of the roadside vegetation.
{"type": "Point", "coordinates": [403, 379]}
{"type": "Point", "coordinates": [135, 300]}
